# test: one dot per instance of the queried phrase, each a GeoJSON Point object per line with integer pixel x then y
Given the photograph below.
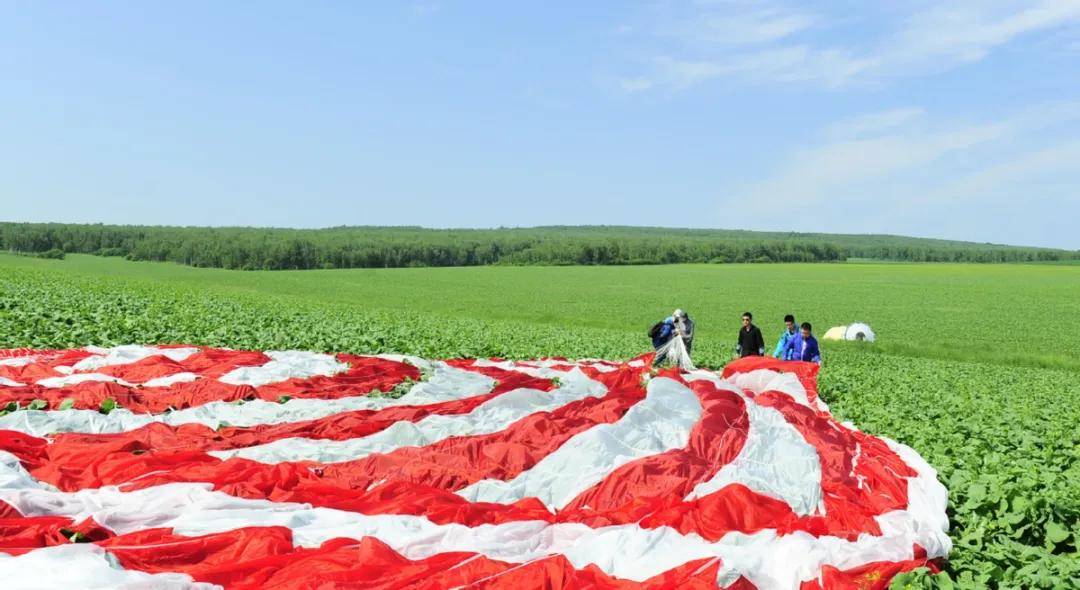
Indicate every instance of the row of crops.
{"type": "Point", "coordinates": [1004, 438]}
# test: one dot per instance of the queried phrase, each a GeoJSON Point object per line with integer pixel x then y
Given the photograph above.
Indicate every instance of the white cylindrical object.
{"type": "Point", "coordinates": [859, 331]}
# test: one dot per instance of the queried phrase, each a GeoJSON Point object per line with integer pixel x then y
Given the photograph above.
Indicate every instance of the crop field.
{"type": "Point", "coordinates": [977, 366]}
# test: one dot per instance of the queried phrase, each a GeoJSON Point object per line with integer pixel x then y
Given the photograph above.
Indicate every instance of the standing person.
{"type": "Point", "coordinates": [806, 349]}
{"type": "Point", "coordinates": [685, 327]}
{"type": "Point", "coordinates": [664, 333]}
{"type": "Point", "coordinates": [791, 330]}
{"type": "Point", "coordinates": [751, 342]}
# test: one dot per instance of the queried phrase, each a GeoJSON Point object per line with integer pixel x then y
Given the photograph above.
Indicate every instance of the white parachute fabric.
{"type": "Point", "coordinates": [444, 384]}
{"type": "Point", "coordinates": [663, 421]}
{"type": "Point", "coordinates": [523, 470]}
{"type": "Point", "coordinates": [674, 351]}
{"type": "Point", "coordinates": [87, 567]}
{"type": "Point", "coordinates": [285, 365]}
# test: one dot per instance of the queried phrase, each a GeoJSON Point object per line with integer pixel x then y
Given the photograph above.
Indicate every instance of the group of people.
{"type": "Point", "coordinates": [796, 343]}
{"type": "Point", "coordinates": [673, 338]}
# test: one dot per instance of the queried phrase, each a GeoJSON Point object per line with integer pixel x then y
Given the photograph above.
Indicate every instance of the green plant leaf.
{"type": "Point", "coordinates": [1055, 533]}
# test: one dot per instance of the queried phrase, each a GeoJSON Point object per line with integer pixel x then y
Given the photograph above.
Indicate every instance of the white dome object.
{"type": "Point", "coordinates": [835, 333]}
{"type": "Point", "coordinates": [859, 331]}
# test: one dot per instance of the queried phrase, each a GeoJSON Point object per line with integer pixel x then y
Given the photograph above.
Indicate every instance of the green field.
{"type": "Point", "coordinates": [977, 366]}
{"type": "Point", "coordinates": [1006, 314]}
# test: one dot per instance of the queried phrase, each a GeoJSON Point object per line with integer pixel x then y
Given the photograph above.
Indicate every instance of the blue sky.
{"type": "Point", "coordinates": [958, 120]}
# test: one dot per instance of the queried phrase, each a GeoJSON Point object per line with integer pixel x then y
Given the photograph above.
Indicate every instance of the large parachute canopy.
{"type": "Point", "coordinates": [192, 467]}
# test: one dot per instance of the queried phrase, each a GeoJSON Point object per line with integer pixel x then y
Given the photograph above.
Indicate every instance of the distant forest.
{"type": "Point", "coordinates": [386, 247]}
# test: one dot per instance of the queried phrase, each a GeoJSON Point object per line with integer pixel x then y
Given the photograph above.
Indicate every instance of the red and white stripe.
{"type": "Point", "coordinates": [242, 469]}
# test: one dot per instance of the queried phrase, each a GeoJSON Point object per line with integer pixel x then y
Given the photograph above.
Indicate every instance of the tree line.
{"type": "Point", "coordinates": [392, 247]}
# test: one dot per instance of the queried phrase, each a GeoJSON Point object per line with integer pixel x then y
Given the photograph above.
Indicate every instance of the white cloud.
{"type": "Point", "coordinates": [905, 171]}
{"type": "Point", "coordinates": [1017, 177]}
{"type": "Point", "coordinates": [680, 73]}
{"type": "Point", "coordinates": [968, 31]}
{"type": "Point", "coordinates": [788, 64]}
{"type": "Point", "coordinates": [759, 24]}
{"type": "Point", "coordinates": [638, 84]}
{"type": "Point", "coordinates": [829, 170]}
{"type": "Point", "coordinates": [769, 43]}
{"type": "Point", "coordinates": [873, 123]}
{"type": "Point", "coordinates": [832, 67]}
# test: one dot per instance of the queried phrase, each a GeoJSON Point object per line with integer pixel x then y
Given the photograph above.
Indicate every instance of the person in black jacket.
{"type": "Point", "coordinates": [750, 341]}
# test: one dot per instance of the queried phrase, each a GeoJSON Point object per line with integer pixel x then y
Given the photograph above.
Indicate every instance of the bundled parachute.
{"type": "Point", "coordinates": [856, 332]}
{"type": "Point", "coordinates": [193, 467]}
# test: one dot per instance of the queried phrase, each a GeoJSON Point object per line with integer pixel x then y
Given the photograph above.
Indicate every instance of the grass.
{"type": "Point", "coordinates": [975, 365]}
{"type": "Point", "coordinates": [1025, 315]}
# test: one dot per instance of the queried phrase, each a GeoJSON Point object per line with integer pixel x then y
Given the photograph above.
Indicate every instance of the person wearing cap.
{"type": "Point", "coordinates": [679, 324]}
{"type": "Point", "coordinates": [685, 328]}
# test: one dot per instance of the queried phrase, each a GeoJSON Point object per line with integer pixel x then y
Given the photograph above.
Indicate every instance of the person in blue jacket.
{"type": "Point", "coordinates": [662, 332]}
{"type": "Point", "coordinates": [791, 330]}
{"type": "Point", "coordinates": [678, 324]}
{"type": "Point", "coordinates": [806, 348]}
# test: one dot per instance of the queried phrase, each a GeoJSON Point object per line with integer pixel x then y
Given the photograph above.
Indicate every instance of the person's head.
{"type": "Point", "coordinates": [789, 323]}
{"type": "Point", "coordinates": [747, 317]}
{"type": "Point", "coordinates": [807, 329]}
{"type": "Point", "coordinates": [679, 314]}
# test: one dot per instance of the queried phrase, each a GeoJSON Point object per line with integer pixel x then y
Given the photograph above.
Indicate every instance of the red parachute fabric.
{"type": "Point", "coordinates": [638, 483]}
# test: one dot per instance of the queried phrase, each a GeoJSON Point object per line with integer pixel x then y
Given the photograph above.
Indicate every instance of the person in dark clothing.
{"type": "Point", "coordinates": [751, 342]}
{"type": "Point", "coordinates": [661, 332]}
{"type": "Point", "coordinates": [684, 326]}
{"type": "Point", "coordinates": [678, 325]}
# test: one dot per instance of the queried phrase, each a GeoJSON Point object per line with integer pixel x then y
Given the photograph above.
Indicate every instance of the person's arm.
{"type": "Point", "coordinates": [780, 345]}
{"type": "Point", "coordinates": [738, 343]}
{"type": "Point", "coordinates": [789, 346]}
{"type": "Point", "coordinates": [816, 358]}
{"type": "Point", "coordinates": [760, 343]}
